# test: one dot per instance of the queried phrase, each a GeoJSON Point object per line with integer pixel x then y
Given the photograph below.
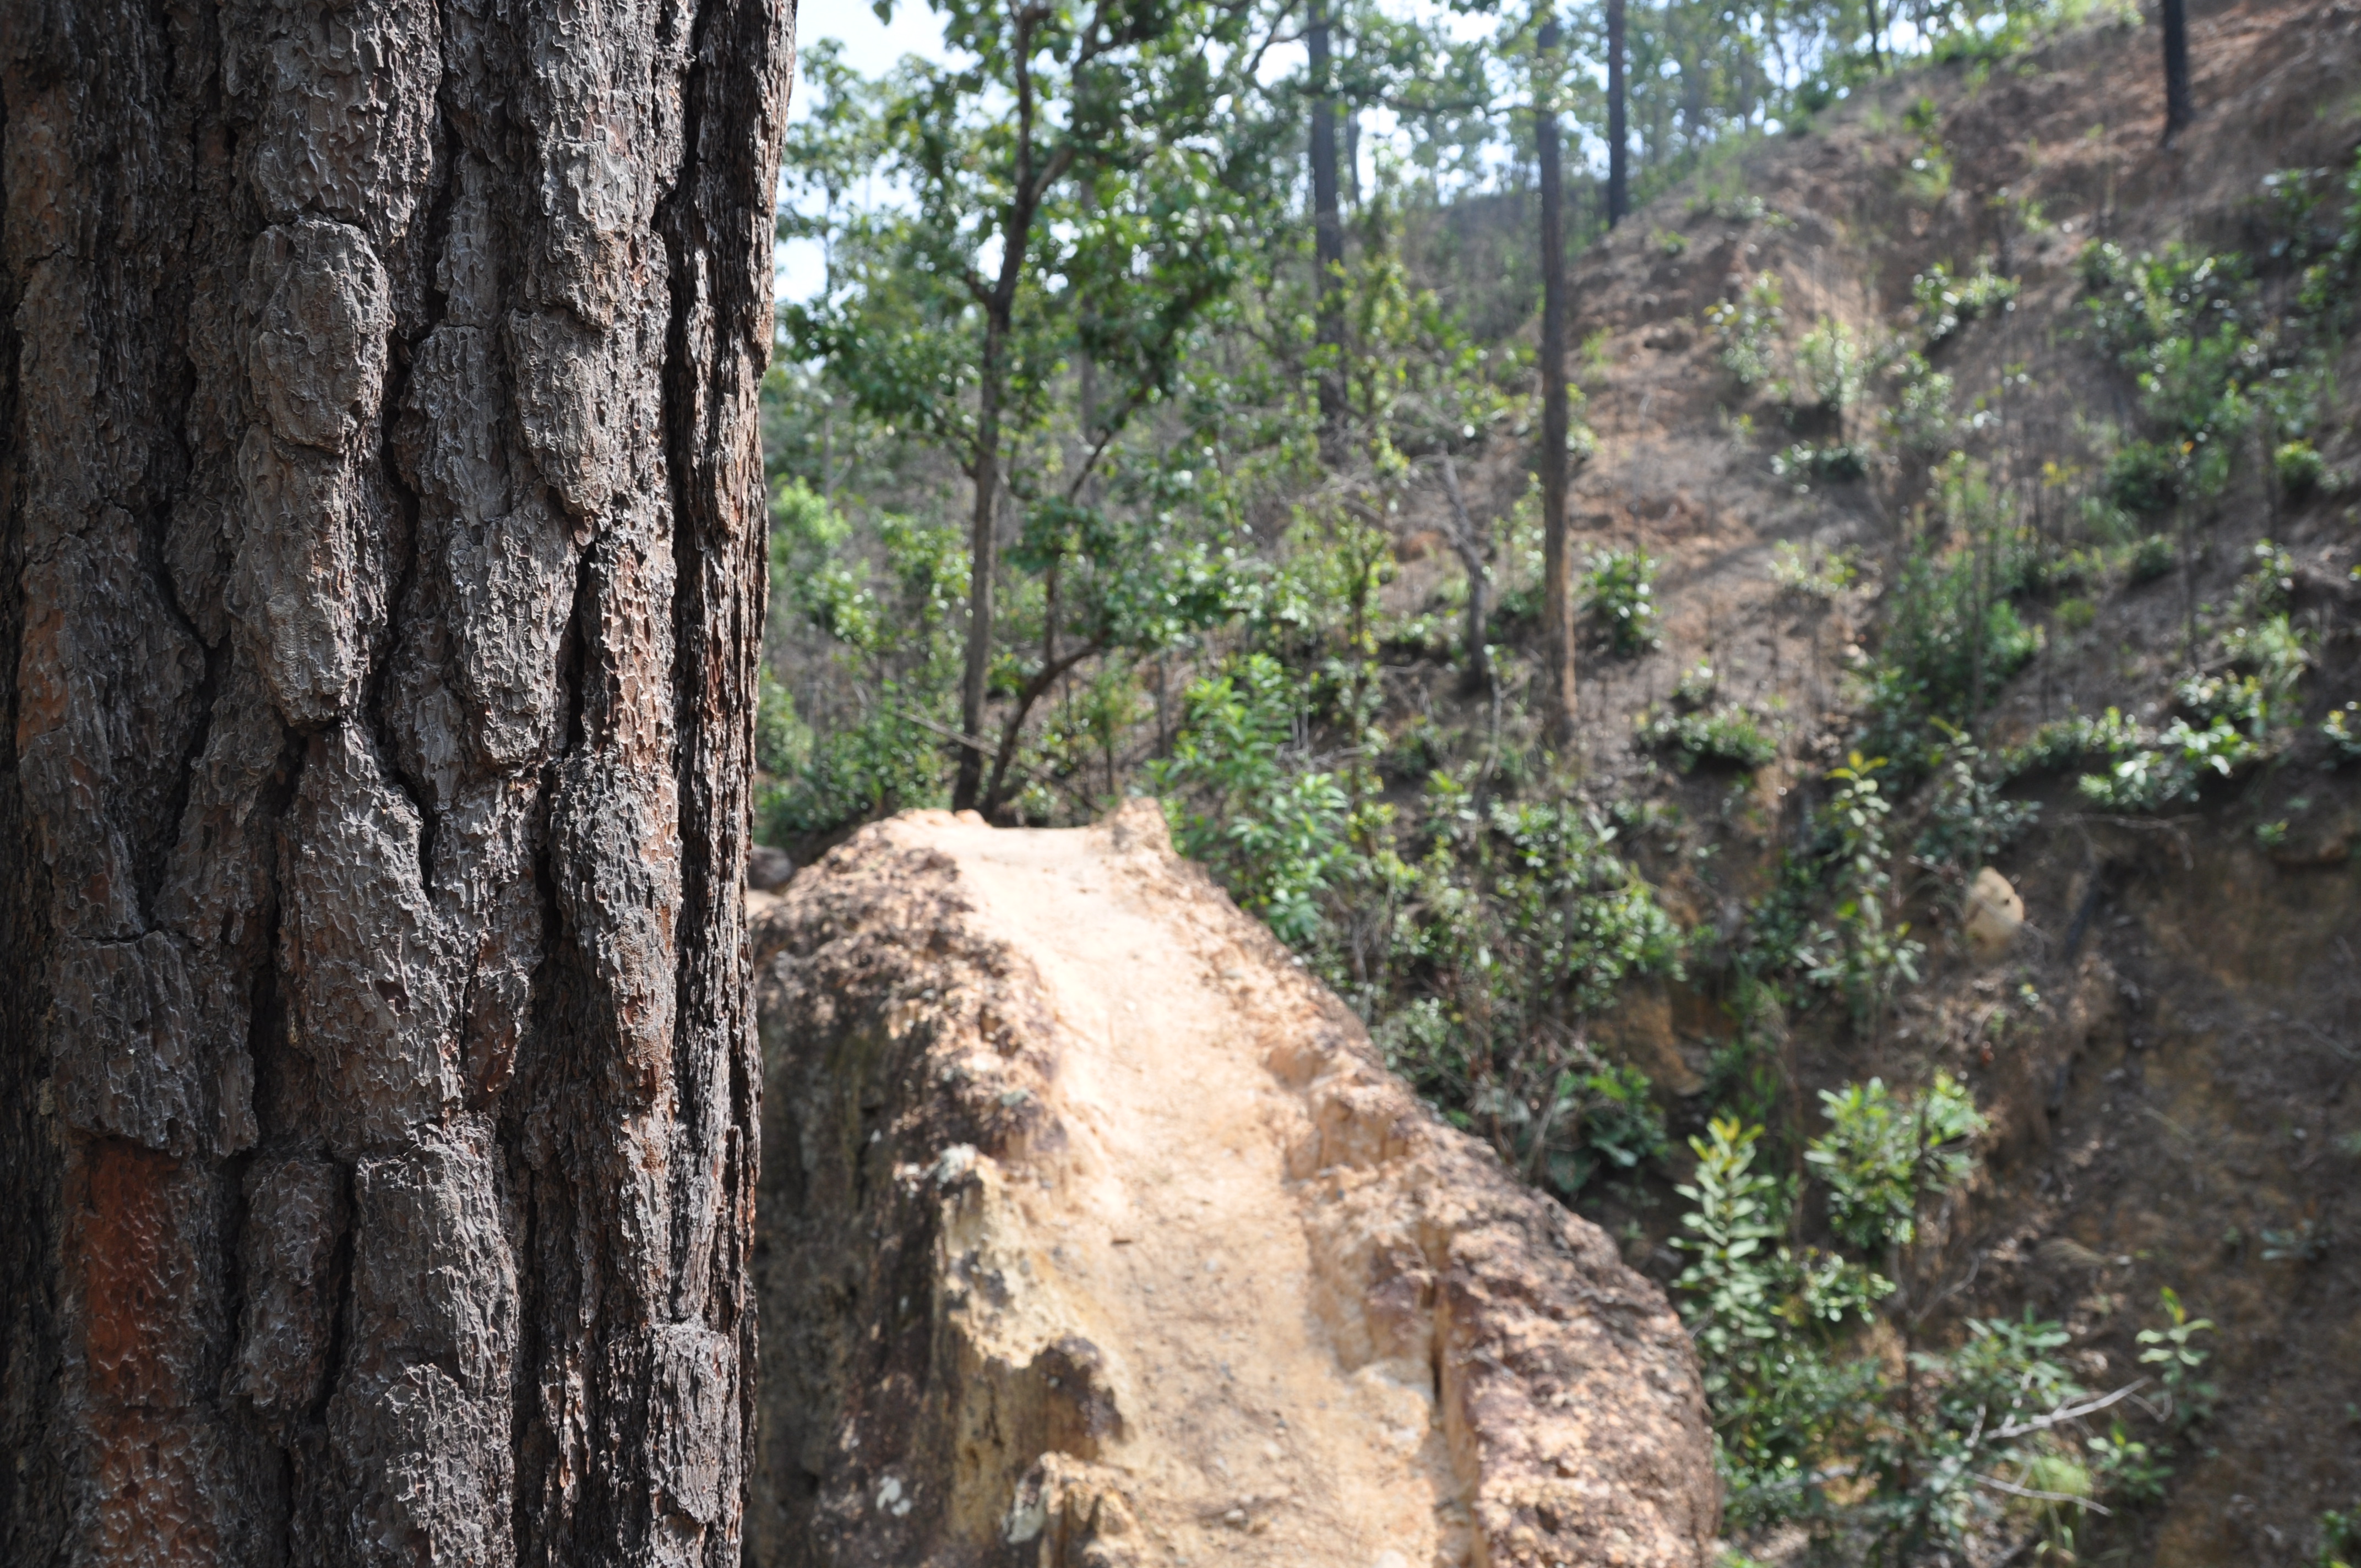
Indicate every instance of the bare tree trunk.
{"type": "Point", "coordinates": [983, 565]}
{"type": "Point", "coordinates": [1619, 151]}
{"type": "Point", "coordinates": [1470, 547]}
{"type": "Point", "coordinates": [1557, 693]}
{"type": "Point", "coordinates": [1327, 238]}
{"type": "Point", "coordinates": [2178, 108]}
{"type": "Point", "coordinates": [381, 575]}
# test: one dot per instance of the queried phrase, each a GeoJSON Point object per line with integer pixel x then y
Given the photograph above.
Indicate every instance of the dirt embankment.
{"type": "Point", "coordinates": [1093, 1233]}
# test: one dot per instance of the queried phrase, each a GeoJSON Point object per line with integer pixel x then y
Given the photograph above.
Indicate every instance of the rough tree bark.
{"type": "Point", "coordinates": [1557, 693]}
{"type": "Point", "coordinates": [381, 580]}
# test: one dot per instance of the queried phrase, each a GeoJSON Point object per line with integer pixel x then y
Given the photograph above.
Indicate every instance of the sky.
{"type": "Point", "coordinates": [871, 47]}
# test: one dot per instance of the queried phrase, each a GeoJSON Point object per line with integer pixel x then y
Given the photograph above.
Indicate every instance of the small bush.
{"type": "Point", "coordinates": [1620, 590]}
{"type": "Point", "coordinates": [2143, 478]}
{"type": "Point", "coordinates": [1920, 418]}
{"type": "Point", "coordinates": [1748, 329]}
{"type": "Point", "coordinates": [2341, 730]}
{"type": "Point", "coordinates": [1838, 462]}
{"type": "Point", "coordinates": [2152, 557]}
{"type": "Point", "coordinates": [1728, 737]}
{"type": "Point", "coordinates": [1880, 1150]}
{"type": "Point", "coordinates": [2075, 614]}
{"type": "Point", "coordinates": [1946, 302]}
{"type": "Point", "coordinates": [2301, 468]}
{"type": "Point", "coordinates": [1832, 364]}
{"type": "Point", "coordinates": [1821, 576]}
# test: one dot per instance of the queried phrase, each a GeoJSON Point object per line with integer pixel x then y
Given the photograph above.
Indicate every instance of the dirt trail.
{"type": "Point", "coordinates": [1121, 1248]}
{"type": "Point", "coordinates": [1175, 1195]}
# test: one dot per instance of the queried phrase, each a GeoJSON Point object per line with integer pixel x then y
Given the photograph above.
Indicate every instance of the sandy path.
{"type": "Point", "coordinates": [1254, 1443]}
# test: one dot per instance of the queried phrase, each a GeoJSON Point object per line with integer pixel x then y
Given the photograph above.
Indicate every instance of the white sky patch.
{"type": "Point", "coordinates": [871, 47]}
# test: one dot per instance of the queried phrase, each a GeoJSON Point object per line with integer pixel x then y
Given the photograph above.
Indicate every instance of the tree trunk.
{"type": "Point", "coordinates": [983, 565]}
{"type": "Point", "coordinates": [2178, 108]}
{"type": "Point", "coordinates": [1327, 239]}
{"type": "Point", "coordinates": [1557, 693]}
{"type": "Point", "coordinates": [381, 571]}
{"type": "Point", "coordinates": [1470, 547]}
{"type": "Point", "coordinates": [1619, 151]}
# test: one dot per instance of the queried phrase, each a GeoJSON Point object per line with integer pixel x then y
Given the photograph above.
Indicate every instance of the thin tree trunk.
{"type": "Point", "coordinates": [1619, 151]}
{"type": "Point", "coordinates": [381, 577]}
{"type": "Point", "coordinates": [983, 562]}
{"type": "Point", "coordinates": [2178, 108]}
{"type": "Point", "coordinates": [1327, 239]}
{"type": "Point", "coordinates": [1557, 694]}
{"type": "Point", "coordinates": [1470, 547]}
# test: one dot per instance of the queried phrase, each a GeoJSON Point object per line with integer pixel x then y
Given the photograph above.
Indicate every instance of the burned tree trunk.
{"type": "Point", "coordinates": [380, 576]}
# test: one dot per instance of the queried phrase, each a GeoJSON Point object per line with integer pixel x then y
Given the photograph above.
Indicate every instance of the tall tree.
{"type": "Point", "coordinates": [2178, 108]}
{"type": "Point", "coordinates": [380, 515]}
{"type": "Point", "coordinates": [1327, 235]}
{"type": "Point", "coordinates": [1074, 198]}
{"type": "Point", "coordinates": [1618, 132]}
{"type": "Point", "coordinates": [1557, 694]}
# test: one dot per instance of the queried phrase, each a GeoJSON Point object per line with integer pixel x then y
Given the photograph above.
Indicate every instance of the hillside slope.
{"type": "Point", "coordinates": [2167, 1048]}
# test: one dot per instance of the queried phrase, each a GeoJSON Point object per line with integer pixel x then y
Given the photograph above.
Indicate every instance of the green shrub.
{"type": "Point", "coordinates": [2299, 466]}
{"type": "Point", "coordinates": [2341, 730]}
{"type": "Point", "coordinates": [1970, 821]}
{"type": "Point", "coordinates": [1946, 302]}
{"type": "Point", "coordinates": [1821, 574]}
{"type": "Point", "coordinates": [1728, 737]}
{"type": "Point", "coordinates": [2075, 614]}
{"type": "Point", "coordinates": [1833, 364]}
{"type": "Point", "coordinates": [1748, 329]}
{"type": "Point", "coordinates": [1920, 416]}
{"type": "Point", "coordinates": [2142, 478]}
{"type": "Point", "coordinates": [1274, 836]}
{"type": "Point", "coordinates": [1619, 591]}
{"type": "Point", "coordinates": [1837, 461]}
{"type": "Point", "coordinates": [2152, 558]}
{"type": "Point", "coordinates": [1882, 1153]}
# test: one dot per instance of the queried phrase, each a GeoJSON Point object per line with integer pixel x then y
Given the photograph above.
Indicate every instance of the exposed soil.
{"type": "Point", "coordinates": [1094, 1233]}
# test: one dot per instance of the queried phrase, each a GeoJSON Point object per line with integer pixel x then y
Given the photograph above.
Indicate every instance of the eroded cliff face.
{"type": "Point", "coordinates": [1092, 1232]}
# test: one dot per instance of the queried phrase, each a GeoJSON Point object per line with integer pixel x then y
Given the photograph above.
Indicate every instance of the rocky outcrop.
{"type": "Point", "coordinates": [1093, 1232]}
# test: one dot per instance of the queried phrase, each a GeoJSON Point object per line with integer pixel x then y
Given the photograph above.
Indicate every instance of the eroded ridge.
{"type": "Point", "coordinates": [1094, 1231]}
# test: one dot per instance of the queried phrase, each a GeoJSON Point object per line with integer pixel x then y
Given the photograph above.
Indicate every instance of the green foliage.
{"type": "Point", "coordinates": [2179, 1360]}
{"type": "Point", "coordinates": [1861, 957]}
{"type": "Point", "coordinates": [2124, 1467]}
{"type": "Point", "coordinates": [2301, 469]}
{"type": "Point", "coordinates": [2152, 558]}
{"type": "Point", "coordinates": [2143, 477]}
{"type": "Point", "coordinates": [1822, 574]}
{"type": "Point", "coordinates": [1953, 632]}
{"type": "Point", "coordinates": [1882, 1153]}
{"type": "Point", "coordinates": [1946, 302]}
{"type": "Point", "coordinates": [1619, 591]}
{"type": "Point", "coordinates": [1837, 461]}
{"type": "Point", "coordinates": [2340, 1539]}
{"type": "Point", "coordinates": [2341, 730]}
{"type": "Point", "coordinates": [1749, 328]}
{"type": "Point", "coordinates": [1833, 365]}
{"type": "Point", "coordinates": [1275, 836]}
{"type": "Point", "coordinates": [1919, 419]}
{"type": "Point", "coordinates": [1729, 735]}
{"type": "Point", "coordinates": [1970, 821]}
{"type": "Point", "coordinates": [781, 742]}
